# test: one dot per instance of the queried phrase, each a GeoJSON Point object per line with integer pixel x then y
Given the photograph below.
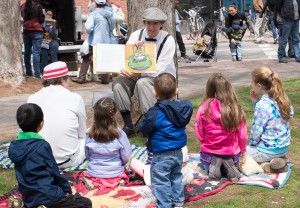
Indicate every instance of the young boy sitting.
{"type": "Point", "coordinates": [164, 125]}
{"type": "Point", "coordinates": [39, 180]}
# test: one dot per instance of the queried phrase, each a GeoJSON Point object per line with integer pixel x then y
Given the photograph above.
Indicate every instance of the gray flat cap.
{"type": "Point", "coordinates": [154, 14]}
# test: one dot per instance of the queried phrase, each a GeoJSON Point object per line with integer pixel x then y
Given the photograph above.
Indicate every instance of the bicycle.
{"type": "Point", "coordinates": [195, 23]}
{"type": "Point", "coordinates": [222, 15]}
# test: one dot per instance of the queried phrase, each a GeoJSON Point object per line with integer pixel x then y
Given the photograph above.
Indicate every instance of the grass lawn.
{"type": "Point", "coordinates": [234, 195]}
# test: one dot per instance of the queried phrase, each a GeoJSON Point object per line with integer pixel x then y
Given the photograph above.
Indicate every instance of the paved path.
{"type": "Point", "coordinates": [192, 80]}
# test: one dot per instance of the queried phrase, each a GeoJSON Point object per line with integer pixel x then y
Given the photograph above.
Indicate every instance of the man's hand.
{"type": "Point", "coordinates": [254, 96]}
{"type": "Point", "coordinates": [125, 73]}
{"type": "Point", "coordinates": [139, 44]}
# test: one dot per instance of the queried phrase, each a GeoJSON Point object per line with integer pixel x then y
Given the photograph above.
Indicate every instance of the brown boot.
{"type": "Point", "coordinates": [79, 81]}
{"type": "Point", "coordinates": [231, 170]}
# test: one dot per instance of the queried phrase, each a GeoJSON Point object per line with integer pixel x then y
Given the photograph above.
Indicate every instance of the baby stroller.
{"type": "Point", "coordinates": [206, 45]}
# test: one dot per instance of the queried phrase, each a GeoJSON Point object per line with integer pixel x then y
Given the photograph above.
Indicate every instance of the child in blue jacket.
{"type": "Point", "coordinates": [165, 125]}
{"type": "Point", "coordinates": [39, 180]}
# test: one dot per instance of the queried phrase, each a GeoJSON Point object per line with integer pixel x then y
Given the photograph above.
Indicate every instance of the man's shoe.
{"type": "Point", "coordinates": [297, 60]}
{"type": "Point", "coordinates": [129, 131]}
{"type": "Point", "coordinates": [79, 81]}
{"type": "Point", "coordinates": [282, 61]}
{"type": "Point", "coordinates": [183, 56]}
{"type": "Point", "coordinates": [275, 41]}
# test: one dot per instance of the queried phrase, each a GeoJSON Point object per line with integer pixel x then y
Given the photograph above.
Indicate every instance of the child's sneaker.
{"type": "Point", "coordinates": [230, 169]}
{"type": "Point", "coordinates": [15, 202]}
{"type": "Point", "coordinates": [214, 170]}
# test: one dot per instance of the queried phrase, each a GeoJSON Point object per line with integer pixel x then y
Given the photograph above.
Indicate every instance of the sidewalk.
{"type": "Point", "coordinates": [192, 78]}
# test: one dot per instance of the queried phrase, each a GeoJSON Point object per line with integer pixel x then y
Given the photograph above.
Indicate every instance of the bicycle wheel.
{"type": "Point", "coordinates": [201, 25]}
{"type": "Point", "coordinates": [194, 31]}
{"type": "Point", "coordinates": [187, 30]}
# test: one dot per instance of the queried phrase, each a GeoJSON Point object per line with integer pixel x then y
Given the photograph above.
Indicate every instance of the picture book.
{"type": "Point", "coordinates": [111, 58]}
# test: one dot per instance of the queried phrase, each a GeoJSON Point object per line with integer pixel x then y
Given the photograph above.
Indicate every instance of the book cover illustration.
{"type": "Point", "coordinates": [140, 60]}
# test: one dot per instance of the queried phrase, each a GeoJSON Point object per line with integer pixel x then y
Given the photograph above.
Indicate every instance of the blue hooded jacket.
{"type": "Point", "coordinates": [165, 124]}
{"type": "Point", "coordinates": [39, 180]}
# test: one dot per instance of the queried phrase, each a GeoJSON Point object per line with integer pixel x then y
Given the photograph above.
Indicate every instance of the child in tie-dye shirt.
{"type": "Point", "coordinates": [270, 131]}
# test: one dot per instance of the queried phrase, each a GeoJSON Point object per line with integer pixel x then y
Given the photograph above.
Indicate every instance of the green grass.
{"type": "Point", "coordinates": [235, 195]}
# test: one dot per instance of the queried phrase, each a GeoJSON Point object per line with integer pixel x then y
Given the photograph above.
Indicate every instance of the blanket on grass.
{"type": "Point", "coordinates": [135, 195]}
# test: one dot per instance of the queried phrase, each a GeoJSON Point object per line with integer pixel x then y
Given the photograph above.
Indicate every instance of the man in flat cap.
{"type": "Point", "coordinates": [141, 84]}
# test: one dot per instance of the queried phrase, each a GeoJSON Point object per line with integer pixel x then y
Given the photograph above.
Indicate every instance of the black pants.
{"type": "Point", "coordinates": [73, 201]}
{"type": "Point", "coordinates": [180, 43]}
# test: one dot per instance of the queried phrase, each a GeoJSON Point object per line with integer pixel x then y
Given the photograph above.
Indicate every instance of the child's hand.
{"type": "Point", "coordinates": [233, 42]}
{"type": "Point", "coordinates": [254, 96]}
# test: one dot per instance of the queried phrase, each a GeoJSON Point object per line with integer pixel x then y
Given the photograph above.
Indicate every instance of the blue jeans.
{"type": "Point", "coordinates": [271, 20]}
{"type": "Point", "coordinates": [289, 27]}
{"type": "Point", "coordinates": [261, 156]}
{"type": "Point", "coordinates": [166, 178]}
{"type": "Point", "coordinates": [236, 50]}
{"type": "Point", "coordinates": [32, 39]}
{"type": "Point", "coordinates": [53, 48]}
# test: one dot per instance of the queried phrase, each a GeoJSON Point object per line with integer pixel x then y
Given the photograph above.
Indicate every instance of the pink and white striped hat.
{"type": "Point", "coordinates": [55, 69]}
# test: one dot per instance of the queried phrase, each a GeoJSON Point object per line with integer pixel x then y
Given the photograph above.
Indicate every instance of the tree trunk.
{"type": "Point", "coordinates": [136, 7]}
{"type": "Point", "coordinates": [11, 70]}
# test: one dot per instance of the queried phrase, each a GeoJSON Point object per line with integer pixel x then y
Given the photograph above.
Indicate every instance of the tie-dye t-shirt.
{"type": "Point", "coordinates": [269, 132]}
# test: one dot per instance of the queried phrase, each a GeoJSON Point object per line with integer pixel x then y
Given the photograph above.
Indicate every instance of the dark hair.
{"type": "Point", "coordinates": [233, 5]}
{"type": "Point", "coordinates": [54, 81]}
{"type": "Point", "coordinates": [50, 10]}
{"type": "Point", "coordinates": [104, 128]}
{"type": "Point", "coordinates": [31, 9]}
{"type": "Point", "coordinates": [165, 86]}
{"type": "Point", "coordinates": [29, 117]}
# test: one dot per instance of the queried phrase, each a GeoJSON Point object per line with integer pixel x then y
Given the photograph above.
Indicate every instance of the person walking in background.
{"type": "Point", "coordinates": [165, 125]}
{"type": "Point", "coordinates": [65, 117]}
{"type": "Point", "coordinates": [235, 30]}
{"type": "Point", "coordinates": [99, 26]}
{"type": "Point", "coordinates": [107, 148]}
{"type": "Point", "coordinates": [261, 21]}
{"type": "Point", "coordinates": [179, 40]}
{"type": "Point", "coordinates": [39, 180]}
{"type": "Point", "coordinates": [290, 14]}
{"type": "Point", "coordinates": [221, 129]}
{"type": "Point", "coordinates": [270, 135]}
{"type": "Point", "coordinates": [50, 41]}
{"type": "Point", "coordinates": [270, 14]}
{"type": "Point", "coordinates": [33, 18]}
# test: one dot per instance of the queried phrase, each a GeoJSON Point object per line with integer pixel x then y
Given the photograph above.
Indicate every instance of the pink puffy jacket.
{"type": "Point", "coordinates": [213, 137]}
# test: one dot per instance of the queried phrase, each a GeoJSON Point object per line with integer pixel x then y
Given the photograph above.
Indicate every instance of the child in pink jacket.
{"type": "Point", "coordinates": [221, 129]}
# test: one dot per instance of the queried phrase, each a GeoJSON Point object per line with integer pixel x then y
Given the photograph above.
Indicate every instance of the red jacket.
{"type": "Point", "coordinates": [35, 23]}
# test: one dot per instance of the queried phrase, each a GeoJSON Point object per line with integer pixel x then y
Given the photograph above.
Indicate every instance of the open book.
{"type": "Point", "coordinates": [114, 57]}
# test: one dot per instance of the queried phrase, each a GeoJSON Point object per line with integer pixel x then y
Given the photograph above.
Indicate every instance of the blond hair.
{"type": "Point", "coordinates": [232, 114]}
{"type": "Point", "coordinates": [272, 83]}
